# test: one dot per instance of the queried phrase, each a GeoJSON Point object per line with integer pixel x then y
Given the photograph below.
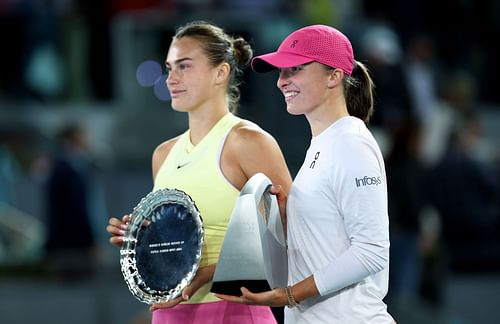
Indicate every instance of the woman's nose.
{"type": "Point", "coordinates": [171, 78]}
{"type": "Point", "coordinates": [282, 79]}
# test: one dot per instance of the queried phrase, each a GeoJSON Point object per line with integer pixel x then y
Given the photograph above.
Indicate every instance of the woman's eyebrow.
{"type": "Point", "coordinates": [179, 61]}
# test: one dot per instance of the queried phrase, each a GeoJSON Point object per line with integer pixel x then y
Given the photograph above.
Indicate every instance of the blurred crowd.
{"type": "Point", "coordinates": [433, 64]}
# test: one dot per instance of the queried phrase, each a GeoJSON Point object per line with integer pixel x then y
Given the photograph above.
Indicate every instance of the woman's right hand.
{"type": "Point", "coordinates": [203, 275]}
{"type": "Point", "coordinates": [117, 229]}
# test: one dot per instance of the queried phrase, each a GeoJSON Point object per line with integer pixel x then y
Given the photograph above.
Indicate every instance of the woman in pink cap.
{"type": "Point", "coordinates": [337, 218]}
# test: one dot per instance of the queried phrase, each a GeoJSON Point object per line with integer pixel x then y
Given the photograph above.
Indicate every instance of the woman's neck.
{"type": "Point", "coordinates": [325, 115]}
{"type": "Point", "coordinates": [202, 120]}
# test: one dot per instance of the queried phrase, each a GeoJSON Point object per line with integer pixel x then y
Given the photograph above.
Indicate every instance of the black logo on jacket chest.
{"type": "Point", "coordinates": [313, 163]}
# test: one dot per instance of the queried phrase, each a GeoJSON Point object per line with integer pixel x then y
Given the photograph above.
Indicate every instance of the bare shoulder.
{"type": "Point", "coordinates": [165, 147]}
{"type": "Point", "coordinates": [249, 133]}
{"type": "Point", "coordinates": [254, 150]}
{"type": "Point", "coordinates": [161, 153]}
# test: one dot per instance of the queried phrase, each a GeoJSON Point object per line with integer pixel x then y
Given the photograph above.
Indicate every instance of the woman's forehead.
{"type": "Point", "coordinates": [185, 47]}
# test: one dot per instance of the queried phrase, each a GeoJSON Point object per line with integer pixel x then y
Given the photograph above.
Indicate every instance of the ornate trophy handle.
{"type": "Point", "coordinates": [257, 185]}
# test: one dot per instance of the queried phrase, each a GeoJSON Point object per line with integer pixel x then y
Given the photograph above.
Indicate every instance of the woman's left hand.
{"type": "Point", "coordinates": [203, 275]}
{"type": "Point", "coordinates": [275, 298]}
{"type": "Point", "coordinates": [281, 198]}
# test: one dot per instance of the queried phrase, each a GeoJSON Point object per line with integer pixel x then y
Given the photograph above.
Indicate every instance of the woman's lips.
{"type": "Point", "coordinates": [290, 95]}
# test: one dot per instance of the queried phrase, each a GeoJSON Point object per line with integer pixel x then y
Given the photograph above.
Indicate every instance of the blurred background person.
{"type": "Point", "coordinates": [71, 242]}
{"type": "Point", "coordinates": [10, 170]}
{"type": "Point", "coordinates": [381, 47]}
{"type": "Point", "coordinates": [465, 191]}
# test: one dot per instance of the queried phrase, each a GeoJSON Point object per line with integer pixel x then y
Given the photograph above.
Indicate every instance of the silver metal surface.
{"type": "Point", "coordinates": [162, 246]}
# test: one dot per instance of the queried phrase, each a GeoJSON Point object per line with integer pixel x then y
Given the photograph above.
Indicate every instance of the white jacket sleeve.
{"type": "Point", "coordinates": [359, 184]}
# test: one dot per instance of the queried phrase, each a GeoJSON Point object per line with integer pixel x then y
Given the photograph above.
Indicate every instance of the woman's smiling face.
{"type": "Point", "coordinates": [304, 87]}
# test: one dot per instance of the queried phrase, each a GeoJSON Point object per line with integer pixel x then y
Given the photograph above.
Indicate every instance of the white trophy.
{"type": "Point", "coordinates": [253, 254]}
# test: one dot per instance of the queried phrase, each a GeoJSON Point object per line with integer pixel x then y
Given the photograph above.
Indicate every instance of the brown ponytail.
{"type": "Point", "coordinates": [358, 91]}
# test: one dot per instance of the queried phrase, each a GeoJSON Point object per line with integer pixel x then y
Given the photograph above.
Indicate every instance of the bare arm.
{"type": "Point", "coordinates": [276, 297]}
{"type": "Point", "coordinates": [250, 150]}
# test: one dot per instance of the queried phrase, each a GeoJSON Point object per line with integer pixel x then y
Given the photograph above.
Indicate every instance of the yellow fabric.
{"type": "Point", "coordinates": [196, 171]}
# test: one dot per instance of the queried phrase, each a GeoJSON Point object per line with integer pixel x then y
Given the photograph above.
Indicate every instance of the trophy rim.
{"type": "Point", "coordinates": [143, 212]}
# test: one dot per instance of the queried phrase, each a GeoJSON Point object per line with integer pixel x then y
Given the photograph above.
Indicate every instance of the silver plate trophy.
{"type": "Point", "coordinates": [162, 246]}
{"type": "Point", "coordinates": [253, 254]}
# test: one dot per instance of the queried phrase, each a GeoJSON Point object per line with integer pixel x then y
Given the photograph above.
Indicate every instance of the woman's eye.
{"type": "Point", "coordinates": [294, 69]}
{"type": "Point", "coordinates": [290, 70]}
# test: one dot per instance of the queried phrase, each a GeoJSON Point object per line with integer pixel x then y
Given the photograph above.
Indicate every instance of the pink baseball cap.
{"type": "Point", "coordinates": [320, 43]}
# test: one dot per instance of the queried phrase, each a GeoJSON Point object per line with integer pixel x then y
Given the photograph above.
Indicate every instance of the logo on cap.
{"type": "Point", "coordinates": [294, 43]}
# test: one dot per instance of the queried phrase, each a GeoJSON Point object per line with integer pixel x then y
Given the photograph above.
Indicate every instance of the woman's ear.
{"type": "Point", "coordinates": [335, 77]}
{"type": "Point", "coordinates": [223, 71]}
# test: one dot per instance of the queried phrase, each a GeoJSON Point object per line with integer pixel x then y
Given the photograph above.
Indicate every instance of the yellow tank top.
{"type": "Point", "coordinates": [196, 171]}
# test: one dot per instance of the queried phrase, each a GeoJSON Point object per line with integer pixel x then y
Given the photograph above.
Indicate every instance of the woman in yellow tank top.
{"type": "Point", "coordinates": [211, 161]}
